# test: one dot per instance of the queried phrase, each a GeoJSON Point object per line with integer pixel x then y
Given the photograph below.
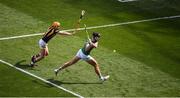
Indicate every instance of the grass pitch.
{"type": "Point", "coordinates": [146, 61]}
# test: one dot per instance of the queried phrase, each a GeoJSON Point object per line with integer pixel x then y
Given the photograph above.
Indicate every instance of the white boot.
{"type": "Point", "coordinates": [104, 78]}
{"type": "Point", "coordinates": [56, 71]}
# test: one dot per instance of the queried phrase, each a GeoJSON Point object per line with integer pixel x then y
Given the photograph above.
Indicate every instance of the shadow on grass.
{"type": "Point", "coordinates": [70, 83]}
{"type": "Point", "coordinates": [23, 65]}
{"type": "Point", "coordinates": [42, 83]}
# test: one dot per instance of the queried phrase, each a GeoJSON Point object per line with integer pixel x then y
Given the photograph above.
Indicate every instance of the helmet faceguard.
{"type": "Point", "coordinates": [96, 36]}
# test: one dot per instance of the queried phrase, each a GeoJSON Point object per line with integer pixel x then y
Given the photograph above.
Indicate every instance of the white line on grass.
{"type": "Point", "coordinates": [95, 27]}
{"type": "Point", "coordinates": [44, 80]}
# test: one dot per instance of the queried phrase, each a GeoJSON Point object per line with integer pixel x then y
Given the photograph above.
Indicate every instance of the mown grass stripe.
{"type": "Point", "coordinates": [44, 80]}
{"type": "Point", "coordinates": [95, 27]}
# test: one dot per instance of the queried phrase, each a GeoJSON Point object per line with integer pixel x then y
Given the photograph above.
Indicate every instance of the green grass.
{"type": "Point", "coordinates": [17, 84]}
{"type": "Point", "coordinates": [146, 62]}
{"type": "Point", "coordinates": [154, 44]}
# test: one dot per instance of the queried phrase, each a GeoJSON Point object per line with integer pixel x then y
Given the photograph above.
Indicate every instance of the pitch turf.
{"type": "Point", "coordinates": [17, 84]}
{"type": "Point", "coordinates": [146, 62]}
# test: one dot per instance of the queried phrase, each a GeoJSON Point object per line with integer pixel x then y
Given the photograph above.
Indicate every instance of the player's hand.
{"type": "Point", "coordinates": [82, 12]}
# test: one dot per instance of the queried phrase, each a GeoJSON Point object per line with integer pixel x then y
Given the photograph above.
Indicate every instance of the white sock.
{"type": "Point", "coordinates": [101, 77]}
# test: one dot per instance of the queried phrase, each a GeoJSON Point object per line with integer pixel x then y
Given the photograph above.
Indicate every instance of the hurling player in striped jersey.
{"type": "Point", "coordinates": [53, 30]}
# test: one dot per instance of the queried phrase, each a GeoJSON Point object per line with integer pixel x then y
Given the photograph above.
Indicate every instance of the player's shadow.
{"type": "Point", "coordinates": [70, 83]}
{"type": "Point", "coordinates": [41, 83]}
{"type": "Point", "coordinates": [21, 64]}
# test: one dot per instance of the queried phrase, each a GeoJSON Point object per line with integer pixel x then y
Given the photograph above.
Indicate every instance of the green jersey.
{"type": "Point", "coordinates": [87, 48]}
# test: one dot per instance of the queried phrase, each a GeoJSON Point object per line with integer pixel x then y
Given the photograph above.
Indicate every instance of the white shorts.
{"type": "Point", "coordinates": [42, 44]}
{"type": "Point", "coordinates": [81, 55]}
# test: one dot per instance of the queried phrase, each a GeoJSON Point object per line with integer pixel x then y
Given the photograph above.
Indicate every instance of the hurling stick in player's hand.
{"type": "Point", "coordinates": [78, 22]}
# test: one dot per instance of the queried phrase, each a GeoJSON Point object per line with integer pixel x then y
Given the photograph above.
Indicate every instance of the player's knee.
{"type": "Point", "coordinates": [46, 54]}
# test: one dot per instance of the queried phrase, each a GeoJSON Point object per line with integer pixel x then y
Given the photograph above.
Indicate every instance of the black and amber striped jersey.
{"type": "Point", "coordinates": [49, 34]}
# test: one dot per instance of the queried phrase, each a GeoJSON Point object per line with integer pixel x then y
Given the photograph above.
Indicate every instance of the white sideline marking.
{"type": "Point", "coordinates": [44, 80]}
{"type": "Point", "coordinates": [95, 27]}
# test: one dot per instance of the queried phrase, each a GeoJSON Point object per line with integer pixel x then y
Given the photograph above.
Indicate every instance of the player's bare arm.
{"type": "Point", "coordinates": [95, 45]}
{"type": "Point", "coordinates": [65, 33]}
